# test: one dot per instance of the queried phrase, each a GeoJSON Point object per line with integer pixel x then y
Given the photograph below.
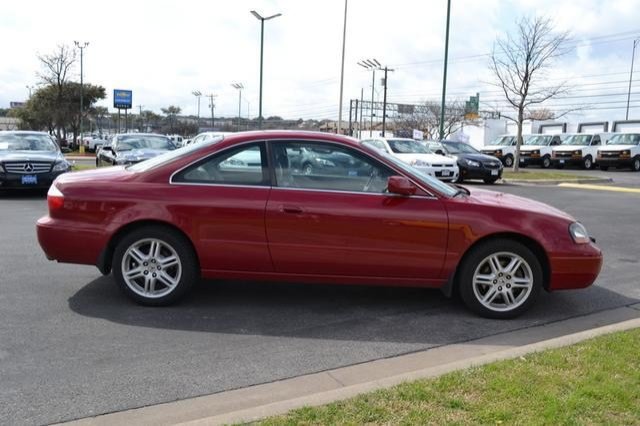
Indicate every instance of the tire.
{"type": "Point", "coordinates": [604, 168]}
{"type": "Point", "coordinates": [460, 178]}
{"type": "Point", "coordinates": [635, 165]}
{"type": "Point", "coordinates": [508, 297]}
{"type": "Point", "coordinates": [490, 181]}
{"type": "Point", "coordinates": [546, 162]}
{"type": "Point", "coordinates": [307, 169]}
{"type": "Point", "coordinates": [173, 267]}
{"type": "Point", "coordinates": [508, 161]}
{"type": "Point", "coordinates": [587, 163]}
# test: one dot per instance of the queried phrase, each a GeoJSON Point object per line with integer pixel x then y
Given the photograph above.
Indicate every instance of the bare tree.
{"type": "Point", "coordinates": [520, 66]}
{"type": "Point", "coordinates": [56, 68]}
{"type": "Point", "coordinates": [426, 118]}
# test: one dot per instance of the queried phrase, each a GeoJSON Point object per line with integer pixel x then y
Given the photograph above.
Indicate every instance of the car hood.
{"type": "Point", "coordinates": [430, 158]}
{"type": "Point", "coordinates": [565, 148]}
{"type": "Point", "coordinates": [140, 154]}
{"type": "Point", "coordinates": [476, 157]}
{"type": "Point", "coordinates": [499, 199]}
{"type": "Point", "coordinates": [532, 147]}
{"type": "Point", "coordinates": [30, 156]}
{"type": "Point", "coordinates": [616, 147]}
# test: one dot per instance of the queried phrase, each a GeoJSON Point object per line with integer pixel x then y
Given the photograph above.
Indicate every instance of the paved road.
{"type": "Point", "coordinates": [72, 346]}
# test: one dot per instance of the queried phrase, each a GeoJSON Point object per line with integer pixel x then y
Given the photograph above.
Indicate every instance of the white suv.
{"type": "Point", "coordinates": [622, 150]}
{"type": "Point", "coordinates": [417, 155]}
{"type": "Point", "coordinates": [578, 149]}
{"type": "Point", "coordinates": [503, 147]}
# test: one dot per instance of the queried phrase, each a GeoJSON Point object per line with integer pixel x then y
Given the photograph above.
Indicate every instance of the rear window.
{"type": "Point", "coordinates": [170, 156]}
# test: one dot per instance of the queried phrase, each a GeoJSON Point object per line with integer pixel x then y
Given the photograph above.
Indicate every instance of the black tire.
{"type": "Point", "coordinates": [460, 178]}
{"type": "Point", "coordinates": [635, 165]}
{"type": "Point", "coordinates": [307, 169]}
{"type": "Point", "coordinates": [190, 271]}
{"type": "Point", "coordinates": [604, 168]}
{"type": "Point", "coordinates": [508, 161]}
{"type": "Point", "coordinates": [476, 258]}
{"type": "Point", "coordinates": [587, 163]}
{"type": "Point", "coordinates": [546, 162]}
{"type": "Point", "coordinates": [490, 181]}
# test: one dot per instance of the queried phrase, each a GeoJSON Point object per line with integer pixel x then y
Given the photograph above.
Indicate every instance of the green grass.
{"type": "Point", "coordinates": [78, 167]}
{"type": "Point", "coordinates": [542, 175]}
{"type": "Point", "coordinates": [594, 382]}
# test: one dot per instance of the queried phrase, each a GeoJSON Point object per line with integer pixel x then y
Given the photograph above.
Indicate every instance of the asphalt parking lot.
{"type": "Point", "coordinates": [72, 346]}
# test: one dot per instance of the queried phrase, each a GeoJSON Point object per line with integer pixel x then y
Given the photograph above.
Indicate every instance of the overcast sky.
{"type": "Point", "coordinates": [164, 50]}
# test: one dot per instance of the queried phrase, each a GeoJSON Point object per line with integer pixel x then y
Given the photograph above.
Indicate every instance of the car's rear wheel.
{"type": "Point", "coordinates": [307, 169]}
{"type": "Point", "coordinates": [500, 279]}
{"type": "Point", "coordinates": [155, 265]}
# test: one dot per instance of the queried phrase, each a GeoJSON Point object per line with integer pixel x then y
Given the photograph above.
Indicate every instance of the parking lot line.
{"type": "Point", "coordinates": [600, 187]}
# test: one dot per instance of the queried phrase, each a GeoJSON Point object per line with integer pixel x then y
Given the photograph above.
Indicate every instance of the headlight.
{"type": "Point", "coordinates": [626, 153]}
{"type": "Point", "coordinates": [577, 153]}
{"type": "Point", "coordinates": [579, 233]}
{"type": "Point", "coordinates": [61, 166]}
{"type": "Point", "coordinates": [420, 163]}
{"type": "Point", "coordinates": [472, 163]}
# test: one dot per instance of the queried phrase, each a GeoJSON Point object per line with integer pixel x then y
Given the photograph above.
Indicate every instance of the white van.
{"type": "Point", "coordinates": [503, 147]}
{"type": "Point", "coordinates": [622, 150]}
{"type": "Point", "coordinates": [579, 149]}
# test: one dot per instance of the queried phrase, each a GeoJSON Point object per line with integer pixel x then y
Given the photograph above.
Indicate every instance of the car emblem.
{"type": "Point", "coordinates": [28, 167]}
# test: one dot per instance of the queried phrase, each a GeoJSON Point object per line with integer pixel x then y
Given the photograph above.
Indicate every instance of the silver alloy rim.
{"type": "Point", "coordinates": [151, 268]}
{"type": "Point", "coordinates": [508, 162]}
{"type": "Point", "coordinates": [587, 163]}
{"type": "Point", "coordinates": [502, 281]}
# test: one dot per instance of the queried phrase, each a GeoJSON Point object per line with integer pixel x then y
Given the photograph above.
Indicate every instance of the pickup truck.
{"type": "Point", "coordinates": [536, 150]}
{"type": "Point", "coordinates": [580, 149]}
{"type": "Point", "coordinates": [622, 150]}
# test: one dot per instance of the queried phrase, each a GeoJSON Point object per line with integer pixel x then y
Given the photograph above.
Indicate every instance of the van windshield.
{"type": "Point", "coordinates": [502, 141]}
{"type": "Point", "coordinates": [577, 140]}
{"type": "Point", "coordinates": [543, 140]}
{"type": "Point", "coordinates": [625, 139]}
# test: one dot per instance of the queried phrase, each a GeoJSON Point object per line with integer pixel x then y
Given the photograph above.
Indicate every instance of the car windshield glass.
{"type": "Point", "coordinates": [130, 142]}
{"type": "Point", "coordinates": [537, 140]}
{"type": "Point", "coordinates": [502, 141]}
{"type": "Point", "coordinates": [425, 178]}
{"type": "Point", "coordinates": [169, 156]}
{"type": "Point", "coordinates": [26, 142]}
{"type": "Point", "coordinates": [625, 139]}
{"type": "Point", "coordinates": [460, 148]}
{"type": "Point", "coordinates": [407, 146]}
{"type": "Point", "coordinates": [577, 140]}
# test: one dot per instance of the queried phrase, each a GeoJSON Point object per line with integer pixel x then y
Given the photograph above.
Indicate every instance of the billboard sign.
{"type": "Point", "coordinates": [122, 99]}
{"type": "Point", "coordinates": [418, 134]}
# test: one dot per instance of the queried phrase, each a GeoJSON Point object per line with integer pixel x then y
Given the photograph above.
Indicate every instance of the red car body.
{"type": "Point", "coordinates": [273, 233]}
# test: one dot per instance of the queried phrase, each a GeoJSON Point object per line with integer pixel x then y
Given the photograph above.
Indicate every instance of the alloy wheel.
{"type": "Point", "coordinates": [151, 268]}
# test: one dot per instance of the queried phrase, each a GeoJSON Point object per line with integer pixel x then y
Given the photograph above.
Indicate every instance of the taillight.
{"type": "Point", "coordinates": [55, 198]}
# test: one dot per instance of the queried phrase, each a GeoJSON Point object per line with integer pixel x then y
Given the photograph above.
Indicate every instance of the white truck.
{"type": "Point", "coordinates": [579, 149]}
{"type": "Point", "coordinates": [622, 150]}
{"type": "Point", "coordinates": [503, 147]}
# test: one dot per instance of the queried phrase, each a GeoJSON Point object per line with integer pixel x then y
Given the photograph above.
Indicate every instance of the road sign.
{"type": "Point", "coordinates": [122, 99]}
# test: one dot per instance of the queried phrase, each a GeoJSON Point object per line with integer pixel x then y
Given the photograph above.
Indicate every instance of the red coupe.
{"type": "Point", "coordinates": [310, 207]}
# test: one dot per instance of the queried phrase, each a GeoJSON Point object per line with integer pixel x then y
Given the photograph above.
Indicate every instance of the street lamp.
{"type": "Point", "coordinates": [633, 54]}
{"type": "Point", "coordinates": [30, 88]}
{"type": "Point", "coordinates": [373, 65]}
{"type": "Point", "coordinates": [197, 94]}
{"type": "Point", "coordinates": [239, 86]}
{"type": "Point", "coordinates": [262, 19]}
{"type": "Point", "coordinates": [344, 39]}
{"type": "Point", "coordinates": [81, 46]}
{"type": "Point", "coordinates": [444, 75]}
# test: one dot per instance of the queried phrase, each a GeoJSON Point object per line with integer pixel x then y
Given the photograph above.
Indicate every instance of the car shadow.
{"type": "Point", "coordinates": [23, 194]}
{"type": "Point", "coordinates": [353, 313]}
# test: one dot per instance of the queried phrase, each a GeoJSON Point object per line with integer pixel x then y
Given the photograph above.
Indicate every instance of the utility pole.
{"type": "Point", "coordinates": [444, 77]}
{"type": "Point", "coordinates": [361, 110]}
{"type": "Point", "coordinates": [197, 94]}
{"type": "Point", "coordinates": [633, 54]}
{"type": "Point", "coordinates": [30, 88]}
{"type": "Point", "coordinates": [384, 102]}
{"type": "Point", "coordinates": [262, 19]}
{"type": "Point", "coordinates": [355, 119]}
{"type": "Point", "coordinates": [212, 106]}
{"type": "Point", "coordinates": [344, 39]}
{"type": "Point", "coordinates": [371, 65]}
{"type": "Point", "coordinates": [350, 117]}
{"type": "Point", "coordinates": [81, 46]}
{"type": "Point", "coordinates": [141, 121]}
{"type": "Point", "coordinates": [239, 87]}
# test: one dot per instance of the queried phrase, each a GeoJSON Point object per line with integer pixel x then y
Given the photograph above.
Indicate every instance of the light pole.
{"type": "Point", "coordinates": [633, 54]}
{"type": "Point", "coordinates": [371, 65]}
{"type": "Point", "coordinates": [344, 39]}
{"type": "Point", "coordinates": [212, 106]}
{"type": "Point", "coordinates": [81, 46]}
{"type": "Point", "coordinates": [262, 19]}
{"type": "Point", "coordinates": [30, 88]}
{"type": "Point", "coordinates": [197, 94]}
{"type": "Point", "coordinates": [239, 86]}
{"type": "Point", "coordinates": [444, 77]}
{"type": "Point", "coordinates": [140, 118]}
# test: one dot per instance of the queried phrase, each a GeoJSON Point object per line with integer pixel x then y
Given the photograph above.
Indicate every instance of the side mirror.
{"type": "Point", "coordinates": [440, 152]}
{"type": "Point", "coordinates": [400, 185]}
{"type": "Point", "coordinates": [107, 148]}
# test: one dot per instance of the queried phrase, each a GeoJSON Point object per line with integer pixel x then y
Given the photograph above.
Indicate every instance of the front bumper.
{"type": "Point", "coordinates": [531, 160]}
{"type": "Point", "coordinates": [442, 173]}
{"type": "Point", "coordinates": [26, 181]}
{"type": "Point", "coordinates": [567, 161]}
{"type": "Point", "coordinates": [468, 172]}
{"type": "Point", "coordinates": [571, 271]}
{"type": "Point", "coordinates": [614, 162]}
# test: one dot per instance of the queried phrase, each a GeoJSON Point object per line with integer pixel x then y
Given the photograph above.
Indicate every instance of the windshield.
{"type": "Point", "coordinates": [502, 141]}
{"type": "Point", "coordinates": [169, 156]}
{"type": "Point", "coordinates": [425, 178]}
{"type": "Point", "coordinates": [129, 142]}
{"type": "Point", "coordinates": [407, 146]}
{"type": "Point", "coordinates": [577, 140]}
{"type": "Point", "coordinates": [537, 140]}
{"type": "Point", "coordinates": [460, 148]}
{"type": "Point", "coordinates": [625, 139]}
{"type": "Point", "coordinates": [26, 142]}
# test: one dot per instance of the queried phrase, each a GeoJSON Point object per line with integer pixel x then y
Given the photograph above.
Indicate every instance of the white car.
{"type": "Point", "coordinates": [622, 150]}
{"type": "Point", "coordinates": [536, 150]}
{"type": "Point", "coordinates": [579, 149]}
{"type": "Point", "coordinates": [417, 155]}
{"type": "Point", "coordinates": [503, 147]}
{"type": "Point", "coordinates": [205, 136]}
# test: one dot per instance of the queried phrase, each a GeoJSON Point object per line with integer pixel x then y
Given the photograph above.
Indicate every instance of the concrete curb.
{"type": "Point", "coordinates": [524, 182]}
{"type": "Point", "coordinates": [259, 401]}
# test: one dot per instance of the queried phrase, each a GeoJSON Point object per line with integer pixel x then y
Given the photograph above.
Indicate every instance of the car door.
{"type": "Point", "coordinates": [343, 223]}
{"type": "Point", "coordinates": [223, 199]}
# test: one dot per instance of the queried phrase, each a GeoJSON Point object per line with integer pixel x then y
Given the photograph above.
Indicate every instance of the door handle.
{"type": "Point", "coordinates": [291, 209]}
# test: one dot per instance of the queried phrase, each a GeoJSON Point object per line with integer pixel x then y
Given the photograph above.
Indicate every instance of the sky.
{"type": "Point", "coordinates": [165, 50]}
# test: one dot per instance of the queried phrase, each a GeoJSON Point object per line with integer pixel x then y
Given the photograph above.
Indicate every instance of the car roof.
{"type": "Point", "coordinates": [25, 132]}
{"type": "Point", "coordinates": [232, 138]}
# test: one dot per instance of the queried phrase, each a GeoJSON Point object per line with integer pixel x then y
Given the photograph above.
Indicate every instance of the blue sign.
{"type": "Point", "coordinates": [122, 99]}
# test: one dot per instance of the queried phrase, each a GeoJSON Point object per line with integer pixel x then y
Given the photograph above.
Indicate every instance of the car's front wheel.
{"type": "Point", "coordinates": [154, 265]}
{"type": "Point", "coordinates": [508, 161]}
{"type": "Point", "coordinates": [635, 166]}
{"type": "Point", "coordinates": [500, 279]}
{"type": "Point", "coordinates": [546, 162]}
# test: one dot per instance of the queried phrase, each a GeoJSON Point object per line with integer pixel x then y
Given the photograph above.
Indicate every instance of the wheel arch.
{"type": "Point", "coordinates": [532, 244]}
{"type": "Point", "coordinates": [106, 256]}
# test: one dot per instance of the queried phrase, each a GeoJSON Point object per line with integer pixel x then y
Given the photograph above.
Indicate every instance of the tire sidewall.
{"type": "Point", "coordinates": [508, 161]}
{"type": "Point", "coordinates": [635, 166]}
{"type": "Point", "coordinates": [476, 255]}
{"type": "Point", "coordinates": [190, 269]}
{"type": "Point", "coordinates": [546, 162]}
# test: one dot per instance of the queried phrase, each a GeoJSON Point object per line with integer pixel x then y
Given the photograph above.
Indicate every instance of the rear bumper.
{"type": "Point", "coordinates": [573, 272]}
{"type": "Point", "coordinates": [66, 242]}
